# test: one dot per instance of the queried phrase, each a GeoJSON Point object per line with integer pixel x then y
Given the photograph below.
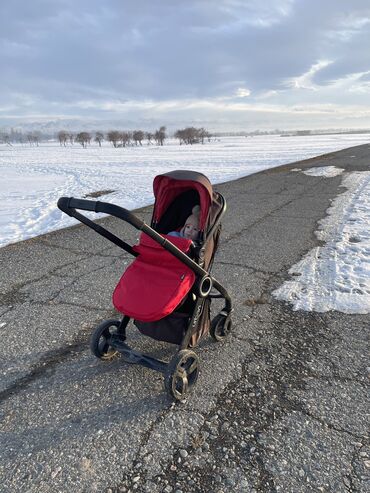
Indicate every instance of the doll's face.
{"type": "Point", "coordinates": [191, 231]}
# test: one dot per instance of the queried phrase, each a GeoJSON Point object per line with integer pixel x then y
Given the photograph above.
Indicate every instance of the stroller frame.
{"type": "Point", "coordinates": [181, 372]}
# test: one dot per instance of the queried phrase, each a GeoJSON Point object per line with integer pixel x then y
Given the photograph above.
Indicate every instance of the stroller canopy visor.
{"type": "Point", "coordinates": [168, 186]}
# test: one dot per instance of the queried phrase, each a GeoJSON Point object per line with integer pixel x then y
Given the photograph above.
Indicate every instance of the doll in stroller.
{"type": "Point", "coordinates": [168, 288]}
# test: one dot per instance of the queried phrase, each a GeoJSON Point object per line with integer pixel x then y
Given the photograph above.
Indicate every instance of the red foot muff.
{"type": "Point", "coordinates": [155, 283]}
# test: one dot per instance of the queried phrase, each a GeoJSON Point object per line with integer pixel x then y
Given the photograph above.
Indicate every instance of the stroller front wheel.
{"type": "Point", "coordinates": [99, 342]}
{"type": "Point", "coordinates": [182, 374]}
{"type": "Point", "coordinates": [220, 327]}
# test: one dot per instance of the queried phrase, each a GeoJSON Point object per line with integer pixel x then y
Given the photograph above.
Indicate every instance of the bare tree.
{"type": "Point", "coordinates": [204, 134]}
{"type": "Point", "coordinates": [188, 135]}
{"type": "Point", "coordinates": [5, 139]}
{"type": "Point", "coordinates": [83, 138]}
{"type": "Point", "coordinates": [149, 137]}
{"type": "Point", "coordinates": [160, 136]}
{"type": "Point", "coordinates": [192, 135]}
{"type": "Point", "coordinates": [33, 138]}
{"type": "Point", "coordinates": [99, 137]}
{"type": "Point", "coordinates": [63, 137]}
{"type": "Point", "coordinates": [114, 137]}
{"type": "Point", "coordinates": [138, 136]}
{"type": "Point", "coordinates": [37, 137]}
{"type": "Point", "coordinates": [180, 134]}
{"type": "Point", "coordinates": [125, 138]}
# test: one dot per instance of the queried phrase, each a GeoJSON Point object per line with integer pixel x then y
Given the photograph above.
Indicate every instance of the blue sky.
{"type": "Point", "coordinates": [222, 64]}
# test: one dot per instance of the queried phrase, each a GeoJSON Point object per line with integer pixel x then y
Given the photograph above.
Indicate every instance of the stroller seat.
{"type": "Point", "coordinates": [155, 283]}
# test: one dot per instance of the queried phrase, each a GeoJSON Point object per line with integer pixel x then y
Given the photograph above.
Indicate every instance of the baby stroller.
{"type": "Point", "coordinates": [167, 290]}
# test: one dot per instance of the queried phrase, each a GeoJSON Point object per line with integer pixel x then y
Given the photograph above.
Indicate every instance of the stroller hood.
{"type": "Point", "coordinates": [168, 186]}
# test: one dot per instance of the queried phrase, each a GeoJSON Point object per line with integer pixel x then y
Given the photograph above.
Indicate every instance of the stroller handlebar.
{"type": "Point", "coordinates": [70, 204]}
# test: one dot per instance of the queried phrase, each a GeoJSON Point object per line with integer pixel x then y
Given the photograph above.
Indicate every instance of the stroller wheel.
{"type": "Point", "coordinates": [182, 374]}
{"type": "Point", "coordinates": [99, 342]}
{"type": "Point", "coordinates": [220, 327]}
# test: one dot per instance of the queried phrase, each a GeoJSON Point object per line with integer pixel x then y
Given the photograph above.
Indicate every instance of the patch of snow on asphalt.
{"type": "Point", "coordinates": [336, 276]}
{"type": "Point", "coordinates": [326, 171]}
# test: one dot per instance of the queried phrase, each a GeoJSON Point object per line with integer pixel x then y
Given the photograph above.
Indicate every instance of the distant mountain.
{"type": "Point", "coordinates": [52, 127]}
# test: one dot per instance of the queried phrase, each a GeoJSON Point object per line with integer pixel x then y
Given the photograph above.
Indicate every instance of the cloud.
{"type": "Point", "coordinates": [305, 81]}
{"type": "Point", "coordinates": [243, 92]}
{"type": "Point", "coordinates": [93, 58]}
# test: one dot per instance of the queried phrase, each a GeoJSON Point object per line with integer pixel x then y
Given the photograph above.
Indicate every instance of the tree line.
{"type": "Point", "coordinates": [33, 138]}
{"type": "Point", "coordinates": [118, 138]}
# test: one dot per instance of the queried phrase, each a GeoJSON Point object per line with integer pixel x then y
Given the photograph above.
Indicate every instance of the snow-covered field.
{"type": "Point", "coordinates": [336, 276]}
{"type": "Point", "coordinates": [33, 178]}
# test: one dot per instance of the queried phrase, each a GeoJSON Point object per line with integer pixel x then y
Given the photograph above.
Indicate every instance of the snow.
{"type": "Point", "coordinates": [33, 178]}
{"type": "Point", "coordinates": [325, 171]}
{"type": "Point", "coordinates": [336, 276]}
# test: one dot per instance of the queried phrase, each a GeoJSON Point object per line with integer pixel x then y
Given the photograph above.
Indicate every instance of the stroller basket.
{"type": "Point", "coordinates": [168, 288]}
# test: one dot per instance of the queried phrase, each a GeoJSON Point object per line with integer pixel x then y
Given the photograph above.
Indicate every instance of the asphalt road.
{"type": "Point", "coordinates": [281, 405]}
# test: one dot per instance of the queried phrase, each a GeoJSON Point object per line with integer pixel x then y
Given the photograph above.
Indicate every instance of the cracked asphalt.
{"type": "Point", "coordinates": [281, 405]}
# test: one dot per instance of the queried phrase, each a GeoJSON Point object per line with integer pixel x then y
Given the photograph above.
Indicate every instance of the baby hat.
{"type": "Point", "coordinates": [193, 219]}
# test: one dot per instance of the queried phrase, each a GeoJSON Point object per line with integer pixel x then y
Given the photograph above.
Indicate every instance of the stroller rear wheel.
{"type": "Point", "coordinates": [182, 374]}
{"type": "Point", "coordinates": [99, 342]}
{"type": "Point", "coordinates": [220, 327]}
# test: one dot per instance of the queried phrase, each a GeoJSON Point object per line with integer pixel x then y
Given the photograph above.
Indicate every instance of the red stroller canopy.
{"type": "Point", "coordinates": [170, 185]}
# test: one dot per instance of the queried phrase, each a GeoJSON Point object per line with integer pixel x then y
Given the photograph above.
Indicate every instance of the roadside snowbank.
{"type": "Point", "coordinates": [336, 276]}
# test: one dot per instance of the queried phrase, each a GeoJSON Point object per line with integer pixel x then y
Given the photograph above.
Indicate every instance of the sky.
{"type": "Point", "coordinates": [220, 64]}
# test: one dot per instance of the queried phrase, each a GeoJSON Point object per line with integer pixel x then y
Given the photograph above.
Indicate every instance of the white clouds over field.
{"type": "Point", "coordinates": [225, 64]}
